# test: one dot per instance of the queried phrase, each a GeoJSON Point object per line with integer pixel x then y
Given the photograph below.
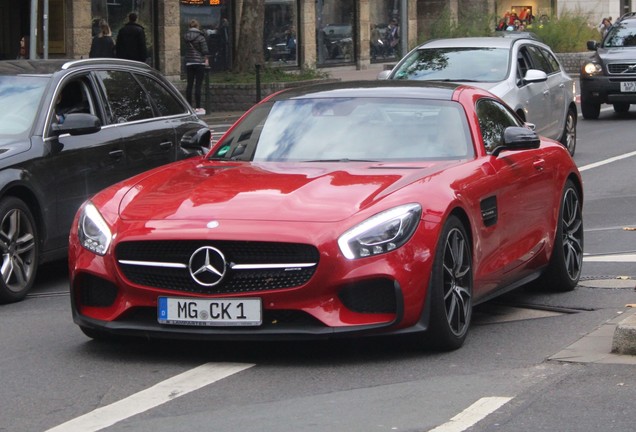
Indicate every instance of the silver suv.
{"type": "Point", "coordinates": [517, 67]}
{"type": "Point", "coordinates": [609, 77]}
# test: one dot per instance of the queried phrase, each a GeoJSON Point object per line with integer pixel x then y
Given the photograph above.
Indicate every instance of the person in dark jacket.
{"type": "Point", "coordinates": [196, 51]}
{"type": "Point", "coordinates": [103, 44]}
{"type": "Point", "coordinates": [131, 41]}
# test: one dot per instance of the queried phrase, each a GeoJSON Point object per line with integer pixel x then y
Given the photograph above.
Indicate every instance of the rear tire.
{"type": "Point", "coordinates": [568, 139]}
{"type": "Point", "coordinates": [589, 110]}
{"type": "Point", "coordinates": [19, 247]}
{"type": "Point", "coordinates": [451, 288]}
{"type": "Point", "coordinates": [564, 270]}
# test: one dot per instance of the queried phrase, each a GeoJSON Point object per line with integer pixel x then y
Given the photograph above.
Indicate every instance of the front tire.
{"type": "Point", "coordinates": [451, 287]}
{"type": "Point", "coordinates": [564, 270]}
{"type": "Point", "coordinates": [19, 249]}
{"type": "Point", "coordinates": [621, 108]}
{"type": "Point", "coordinates": [589, 110]}
{"type": "Point", "coordinates": [568, 139]}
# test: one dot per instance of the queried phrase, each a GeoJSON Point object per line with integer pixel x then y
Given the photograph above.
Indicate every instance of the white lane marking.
{"type": "Point", "coordinates": [473, 414]}
{"type": "Point", "coordinates": [152, 397]}
{"type": "Point", "coordinates": [611, 258]}
{"type": "Point", "coordinates": [606, 161]}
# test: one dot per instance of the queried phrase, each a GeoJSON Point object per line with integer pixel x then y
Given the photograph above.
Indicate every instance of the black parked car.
{"type": "Point", "coordinates": [69, 128]}
{"type": "Point", "coordinates": [609, 77]}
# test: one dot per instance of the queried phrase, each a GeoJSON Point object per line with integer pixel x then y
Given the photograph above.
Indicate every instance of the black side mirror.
{"type": "Point", "coordinates": [518, 138]}
{"type": "Point", "coordinates": [196, 139]}
{"type": "Point", "coordinates": [592, 45]}
{"type": "Point", "coordinates": [77, 124]}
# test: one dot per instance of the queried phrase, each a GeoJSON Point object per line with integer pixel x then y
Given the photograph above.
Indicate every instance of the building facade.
{"type": "Point", "coordinates": [313, 33]}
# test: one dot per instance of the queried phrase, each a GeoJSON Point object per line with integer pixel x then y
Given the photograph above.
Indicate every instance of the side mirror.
{"type": "Point", "coordinates": [592, 45]}
{"type": "Point", "coordinates": [535, 75]}
{"type": "Point", "coordinates": [78, 124]}
{"type": "Point", "coordinates": [196, 139]}
{"type": "Point", "coordinates": [384, 75]}
{"type": "Point", "coordinates": [518, 138]}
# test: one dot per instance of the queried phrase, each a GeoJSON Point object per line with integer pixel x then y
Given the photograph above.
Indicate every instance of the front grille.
{"type": "Point", "coordinates": [621, 68]}
{"type": "Point", "coordinates": [164, 264]}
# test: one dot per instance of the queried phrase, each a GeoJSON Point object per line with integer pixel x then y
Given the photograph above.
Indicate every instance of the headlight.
{"type": "Point", "coordinates": [93, 232]}
{"type": "Point", "coordinates": [381, 233]}
{"type": "Point", "coordinates": [592, 69]}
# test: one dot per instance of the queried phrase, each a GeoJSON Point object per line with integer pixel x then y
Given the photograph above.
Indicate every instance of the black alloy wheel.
{"type": "Point", "coordinates": [564, 270]}
{"type": "Point", "coordinates": [590, 110]}
{"type": "Point", "coordinates": [19, 248]}
{"type": "Point", "coordinates": [452, 287]}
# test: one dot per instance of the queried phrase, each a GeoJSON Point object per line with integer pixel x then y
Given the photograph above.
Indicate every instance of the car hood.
{"type": "Point", "coordinates": [319, 192]}
{"type": "Point", "coordinates": [614, 54]}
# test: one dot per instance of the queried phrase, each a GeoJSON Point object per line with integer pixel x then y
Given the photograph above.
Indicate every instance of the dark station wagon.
{"type": "Point", "coordinates": [69, 128]}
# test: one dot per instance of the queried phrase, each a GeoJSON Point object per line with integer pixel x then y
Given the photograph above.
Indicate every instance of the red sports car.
{"type": "Point", "coordinates": [334, 210]}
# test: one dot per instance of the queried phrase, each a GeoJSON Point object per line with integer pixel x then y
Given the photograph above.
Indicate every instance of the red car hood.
{"type": "Point", "coordinates": [320, 192]}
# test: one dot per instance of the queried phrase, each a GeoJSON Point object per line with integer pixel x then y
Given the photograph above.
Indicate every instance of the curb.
{"type": "Point", "coordinates": [624, 340]}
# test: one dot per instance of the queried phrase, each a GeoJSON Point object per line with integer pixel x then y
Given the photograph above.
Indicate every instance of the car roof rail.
{"type": "Point", "coordinates": [99, 61]}
{"type": "Point", "coordinates": [626, 16]}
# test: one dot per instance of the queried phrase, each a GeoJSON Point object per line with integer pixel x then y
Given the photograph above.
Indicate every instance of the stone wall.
{"type": "Point", "coordinates": [572, 62]}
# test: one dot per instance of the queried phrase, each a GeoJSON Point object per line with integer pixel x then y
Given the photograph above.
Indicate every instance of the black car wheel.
{"type": "Point", "coordinates": [568, 139]}
{"type": "Point", "coordinates": [452, 287]}
{"type": "Point", "coordinates": [589, 110]}
{"type": "Point", "coordinates": [621, 108]}
{"type": "Point", "coordinates": [564, 270]}
{"type": "Point", "coordinates": [19, 247]}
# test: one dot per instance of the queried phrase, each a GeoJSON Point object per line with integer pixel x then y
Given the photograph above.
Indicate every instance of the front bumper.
{"type": "Point", "coordinates": [602, 89]}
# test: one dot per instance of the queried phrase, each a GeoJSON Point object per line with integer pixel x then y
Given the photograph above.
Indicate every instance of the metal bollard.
{"type": "Point", "coordinates": [258, 83]}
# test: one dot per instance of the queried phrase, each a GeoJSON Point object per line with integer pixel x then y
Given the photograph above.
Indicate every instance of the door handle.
{"type": "Point", "coordinates": [116, 154]}
{"type": "Point", "coordinates": [539, 165]}
{"type": "Point", "coordinates": [166, 145]}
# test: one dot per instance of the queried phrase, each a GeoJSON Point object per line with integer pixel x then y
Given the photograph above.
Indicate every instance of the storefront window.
{"type": "Point", "coordinates": [384, 16]}
{"type": "Point", "coordinates": [116, 15]}
{"type": "Point", "coordinates": [280, 36]}
{"type": "Point", "coordinates": [335, 27]}
{"type": "Point", "coordinates": [213, 21]}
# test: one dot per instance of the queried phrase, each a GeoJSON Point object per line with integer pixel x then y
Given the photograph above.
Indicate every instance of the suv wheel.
{"type": "Point", "coordinates": [19, 249]}
{"type": "Point", "coordinates": [589, 110]}
{"type": "Point", "coordinates": [621, 107]}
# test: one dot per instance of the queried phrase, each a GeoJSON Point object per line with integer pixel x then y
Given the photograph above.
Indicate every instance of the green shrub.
{"type": "Point", "coordinates": [568, 32]}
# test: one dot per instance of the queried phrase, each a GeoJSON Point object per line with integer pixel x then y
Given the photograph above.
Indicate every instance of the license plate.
{"type": "Point", "coordinates": [209, 312]}
{"type": "Point", "coordinates": [628, 86]}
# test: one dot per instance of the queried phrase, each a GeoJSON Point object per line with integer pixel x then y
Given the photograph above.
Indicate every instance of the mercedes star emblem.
{"type": "Point", "coordinates": [207, 266]}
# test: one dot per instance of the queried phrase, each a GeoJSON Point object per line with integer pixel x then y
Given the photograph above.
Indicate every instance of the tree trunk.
{"type": "Point", "coordinates": [249, 51]}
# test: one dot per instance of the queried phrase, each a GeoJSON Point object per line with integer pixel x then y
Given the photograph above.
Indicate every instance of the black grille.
{"type": "Point", "coordinates": [95, 291]}
{"type": "Point", "coordinates": [622, 68]}
{"type": "Point", "coordinates": [235, 281]}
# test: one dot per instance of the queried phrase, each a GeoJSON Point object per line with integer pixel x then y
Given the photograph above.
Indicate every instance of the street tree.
{"type": "Point", "coordinates": [249, 50]}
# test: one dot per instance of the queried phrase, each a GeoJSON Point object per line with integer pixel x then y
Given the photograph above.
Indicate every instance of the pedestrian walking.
{"type": "Point", "coordinates": [196, 61]}
{"type": "Point", "coordinates": [103, 44]}
{"type": "Point", "coordinates": [131, 40]}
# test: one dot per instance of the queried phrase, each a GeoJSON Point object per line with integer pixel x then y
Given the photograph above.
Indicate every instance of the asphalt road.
{"type": "Point", "coordinates": [53, 378]}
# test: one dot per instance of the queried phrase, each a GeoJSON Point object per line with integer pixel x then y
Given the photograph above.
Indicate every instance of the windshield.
{"type": "Point", "coordinates": [19, 103]}
{"type": "Point", "coordinates": [620, 35]}
{"type": "Point", "coordinates": [456, 64]}
{"type": "Point", "coordinates": [350, 129]}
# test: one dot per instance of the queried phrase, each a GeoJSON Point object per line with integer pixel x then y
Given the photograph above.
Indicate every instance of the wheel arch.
{"type": "Point", "coordinates": [29, 198]}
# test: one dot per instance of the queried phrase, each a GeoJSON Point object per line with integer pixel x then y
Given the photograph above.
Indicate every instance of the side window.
{"type": "Point", "coordinates": [164, 101]}
{"type": "Point", "coordinates": [494, 118]}
{"type": "Point", "coordinates": [523, 64]}
{"type": "Point", "coordinates": [538, 61]}
{"type": "Point", "coordinates": [74, 96]}
{"type": "Point", "coordinates": [127, 100]}
{"type": "Point", "coordinates": [554, 63]}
